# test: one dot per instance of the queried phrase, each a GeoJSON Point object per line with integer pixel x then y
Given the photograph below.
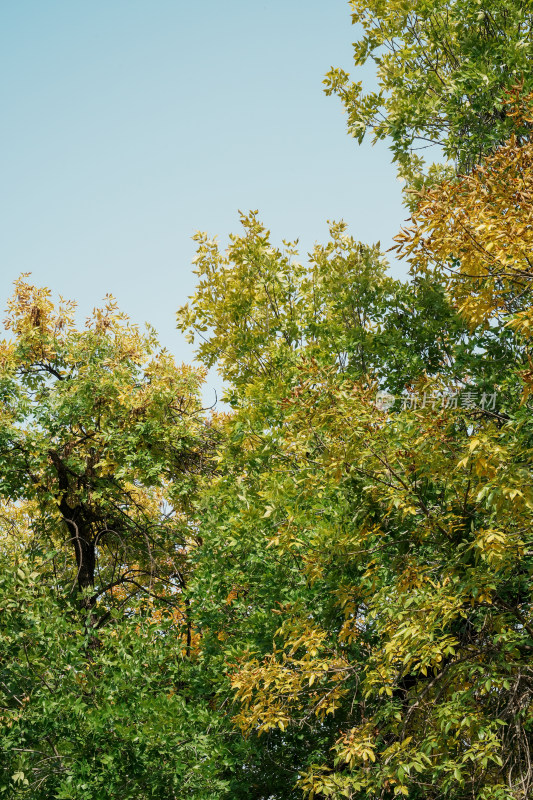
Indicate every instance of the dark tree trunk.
{"type": "Point", "coordinates": [85, 560]}
{"type": "Point", "coordinates": [83, 544]}
{"type": "Point", "coordinates": [78, 526]}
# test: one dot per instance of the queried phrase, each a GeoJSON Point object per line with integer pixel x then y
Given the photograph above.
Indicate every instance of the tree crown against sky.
{"type": "Point", "coordinates": [444, 68]}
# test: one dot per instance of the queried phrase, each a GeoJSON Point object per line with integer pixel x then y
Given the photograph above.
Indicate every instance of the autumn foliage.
{"type": "Point", "coordinates": [476, 231]}
{"type": "Point", "coordinates": [309, 593]}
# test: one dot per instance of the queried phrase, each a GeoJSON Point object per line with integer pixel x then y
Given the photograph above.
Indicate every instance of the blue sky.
{"type": "Point", "coordinates": [129, 124]}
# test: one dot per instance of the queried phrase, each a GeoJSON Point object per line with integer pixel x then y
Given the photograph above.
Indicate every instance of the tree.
{"type": "Point", "coordinates": [443, 70]}
{"type": "Point", "coordinates": [333, 528]}
{"type": "Point", "coordinates": [101, 431]}
{"type": "Point", "coordinates": [102, 444]}
{"type": "Point", "coordinates": [365, 576]}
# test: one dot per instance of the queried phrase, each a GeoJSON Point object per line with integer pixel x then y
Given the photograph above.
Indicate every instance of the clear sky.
{"type": "Point", "coordinates": [129, 124]}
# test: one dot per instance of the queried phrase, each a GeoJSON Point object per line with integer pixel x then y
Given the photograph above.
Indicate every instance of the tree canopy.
{"type": "Point", "coordinates": [443, 68]}
{"type": "Point", "coordinates": [323, 590]}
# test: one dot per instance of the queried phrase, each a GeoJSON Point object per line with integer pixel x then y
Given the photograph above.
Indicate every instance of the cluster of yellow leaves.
{"type": "Point", "coordinates": [16, 532]}
{"type": "Point", "coordinates": [404, 627]}
{"type": "Point", "coordinates": [478, 230]}
{"type": "Point", "coordinates": [303, 672]}
{"type": "Point", "coordinates": [31, 309]}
